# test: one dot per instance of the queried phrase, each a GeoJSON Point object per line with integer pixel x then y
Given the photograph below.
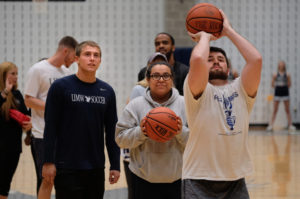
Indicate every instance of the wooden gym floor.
{"type": "Point", "coordinates": [276, 157]}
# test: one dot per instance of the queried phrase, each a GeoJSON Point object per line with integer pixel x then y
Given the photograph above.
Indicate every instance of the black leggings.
{"type": "Point", "coordinates": [128, 179]}
{"type": "Point", "coordinates": [143, 189]}
{"type": "Point", "coordinates": [8, 164]}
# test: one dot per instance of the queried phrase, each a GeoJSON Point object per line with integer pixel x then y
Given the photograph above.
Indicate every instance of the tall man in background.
{"type": "Point", "coordinates": [165, 44]}
{"type": "Point", "coordinates": [39, 79]}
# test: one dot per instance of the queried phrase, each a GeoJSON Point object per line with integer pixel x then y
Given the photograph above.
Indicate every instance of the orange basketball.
{"type": "Point", "coordinates": [204, 17]}
{"type": "Point", "coordinates": [161, 124]}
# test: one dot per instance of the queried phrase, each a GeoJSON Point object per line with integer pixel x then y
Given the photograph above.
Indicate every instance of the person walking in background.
{"type": "Point", "coordinates": [39, 78]}
{"type": "Point", "coordinates": [79, 108]}
{"type": "Point", "coordinates": [216, 158]}
{"type": "Point", "coordinates": [10, 129]}
{"type": "Point", "coordinates": [281, 82]}
{"type": "Point", "coordinates": [45, 189]}
{"type": "Point", "coordinates": [165, 44]}
{"type": "Point", "coordinates": [155, 167]}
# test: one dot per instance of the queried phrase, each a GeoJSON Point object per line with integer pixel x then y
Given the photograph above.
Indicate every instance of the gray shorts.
{"type": "Point", "coordinates": [205, 189]}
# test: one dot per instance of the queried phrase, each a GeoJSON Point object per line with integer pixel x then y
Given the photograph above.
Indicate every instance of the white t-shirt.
{"type": "Point", "coordinates": [217, 148]}
{"type": "Point", "coordinates": [39, 79]}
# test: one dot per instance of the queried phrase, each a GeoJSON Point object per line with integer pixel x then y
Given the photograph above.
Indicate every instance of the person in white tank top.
{"type": "Point", "coordinates": [216, 158]}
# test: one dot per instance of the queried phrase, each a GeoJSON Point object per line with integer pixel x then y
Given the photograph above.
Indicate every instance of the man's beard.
{"type": "Point", "coordinates": [168, 55]}
{"type": "Point", "coordinates": [217, 75]}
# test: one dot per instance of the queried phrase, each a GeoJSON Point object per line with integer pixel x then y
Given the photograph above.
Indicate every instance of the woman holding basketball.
{"type": "Point", "coordinates": [156, 167]}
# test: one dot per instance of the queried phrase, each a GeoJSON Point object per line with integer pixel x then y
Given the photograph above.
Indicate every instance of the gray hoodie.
{"type": "Point", "coordinates": [150, 160]}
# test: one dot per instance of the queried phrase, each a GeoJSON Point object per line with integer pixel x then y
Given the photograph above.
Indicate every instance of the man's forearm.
{"type": "Point", "coordinates": [247, 50]}
{"type": "Point", "coordinates": [34, 103]}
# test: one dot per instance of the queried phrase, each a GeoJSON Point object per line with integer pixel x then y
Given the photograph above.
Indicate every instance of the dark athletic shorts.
{"type": "Point", "coordinates": [205, 189]}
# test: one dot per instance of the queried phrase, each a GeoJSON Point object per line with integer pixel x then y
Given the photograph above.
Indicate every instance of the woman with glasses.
{"type": "Point", "coordinates": [10, 129]}
{"type": "Point", "coordinates": [156, 167]}
{"type": "Point", "coordinates": [138, 90]}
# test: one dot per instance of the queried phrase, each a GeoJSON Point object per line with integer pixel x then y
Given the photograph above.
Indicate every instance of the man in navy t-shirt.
{"type": "Point", "coordinates": [78, 110]}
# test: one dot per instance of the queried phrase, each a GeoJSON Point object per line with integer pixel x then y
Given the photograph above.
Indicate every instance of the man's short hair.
{"type": "Point", "coordinates": [86, 43]}
{"type": "Point", "coordinates": [68, 42]}
{"type": "Point", "coordinates": [220, 50]}
{"type": "Point", "coordinates": [171, 37]}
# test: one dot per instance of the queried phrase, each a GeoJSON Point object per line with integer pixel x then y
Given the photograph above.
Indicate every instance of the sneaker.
{"type": "Point", "coordinates": [292, 128]}
{"type": "Point", "coordinates": [270, 128]}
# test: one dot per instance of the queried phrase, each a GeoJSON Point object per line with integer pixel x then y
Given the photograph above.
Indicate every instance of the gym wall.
{"type": "Point", "coordinates": [125, 30]}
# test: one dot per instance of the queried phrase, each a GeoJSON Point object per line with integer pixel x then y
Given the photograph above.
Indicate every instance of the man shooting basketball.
{"type": "Point", "coordinates": [216, 158]}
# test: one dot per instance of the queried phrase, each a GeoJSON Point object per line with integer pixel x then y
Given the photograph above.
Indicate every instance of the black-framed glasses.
{"type": "Point", "coordinates": [157, 76]}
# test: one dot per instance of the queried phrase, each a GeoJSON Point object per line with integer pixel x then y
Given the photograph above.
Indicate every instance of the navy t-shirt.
{"type": "Point", "coordinates": [76, 116]}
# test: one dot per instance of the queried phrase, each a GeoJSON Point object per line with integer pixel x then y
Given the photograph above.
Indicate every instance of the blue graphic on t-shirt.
{"type": "Point", "coordinates": [227, 106]}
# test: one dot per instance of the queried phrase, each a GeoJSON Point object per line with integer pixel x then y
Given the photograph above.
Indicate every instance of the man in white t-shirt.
{"type": "Point", "coordinates": [216, 158]}
{"type": "Point", "coordinates": [39, 79]}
